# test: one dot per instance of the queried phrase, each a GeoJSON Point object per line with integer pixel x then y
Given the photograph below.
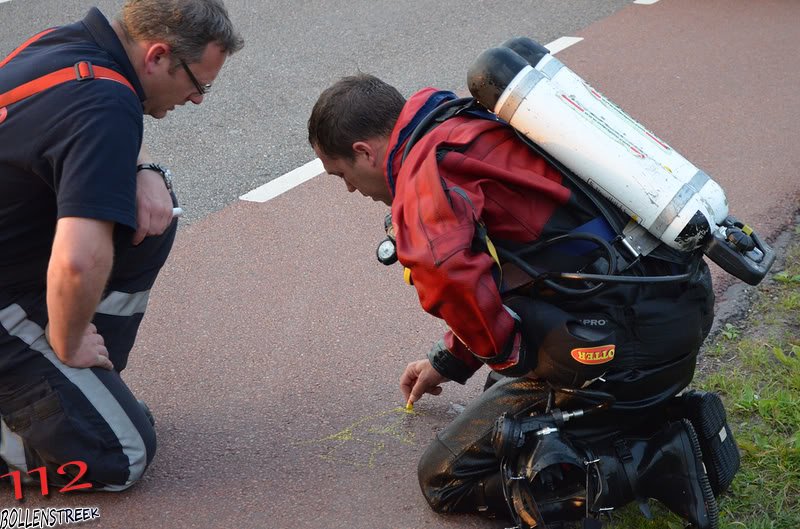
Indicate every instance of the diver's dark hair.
{"type": "Point", "coordinates": [355, 108]}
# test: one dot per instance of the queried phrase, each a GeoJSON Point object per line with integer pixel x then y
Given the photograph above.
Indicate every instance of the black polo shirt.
{"type": "Point", "coordinates": [69, 151]}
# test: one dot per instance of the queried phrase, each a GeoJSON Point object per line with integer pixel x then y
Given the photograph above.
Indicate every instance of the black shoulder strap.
{"type": "Point", "coordinates": [445, 111]}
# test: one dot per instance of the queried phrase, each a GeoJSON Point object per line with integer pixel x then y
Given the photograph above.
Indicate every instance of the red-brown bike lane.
{"type": "Point", "coordinates": [274, 340]}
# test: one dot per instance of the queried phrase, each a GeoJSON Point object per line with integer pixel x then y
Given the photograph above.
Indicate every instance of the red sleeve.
{"type": "Point", "coordinates": [457, 348]}
{"type": "Point", "coordinates": [435, 231]}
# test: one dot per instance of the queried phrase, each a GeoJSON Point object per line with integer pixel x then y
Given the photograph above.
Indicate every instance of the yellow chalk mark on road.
{"type": "Point", "coordinates": [362, 442]}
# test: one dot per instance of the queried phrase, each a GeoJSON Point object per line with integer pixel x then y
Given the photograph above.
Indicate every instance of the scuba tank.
{"type": "Point", "coordinates": [674, 201]}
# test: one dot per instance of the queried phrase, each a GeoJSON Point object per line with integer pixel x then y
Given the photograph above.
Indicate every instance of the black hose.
{"type": "Point", "coordinates": [548, 277]}
{"type": "Point", "coordinates": [607, 399]}
{"type": "Point", "coordinates": [515, 257]}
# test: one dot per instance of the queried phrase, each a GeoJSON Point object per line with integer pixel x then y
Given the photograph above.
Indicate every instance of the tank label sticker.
{"type": "Point", "coordinates": [601, 125]}
{"type": "Point", "coordinates": [594, 355]}
{"type": "Point", "coordinates": [621, 114]}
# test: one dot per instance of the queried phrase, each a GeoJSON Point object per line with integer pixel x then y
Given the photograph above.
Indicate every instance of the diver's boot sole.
{"type": "Point", "coordinates": [712, 509]}
{"type": "Point", "coordinates": [720, 453]}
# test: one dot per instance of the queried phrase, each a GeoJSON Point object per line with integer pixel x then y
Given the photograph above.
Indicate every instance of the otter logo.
{"type": "Point", "coordinates": [594, 355]}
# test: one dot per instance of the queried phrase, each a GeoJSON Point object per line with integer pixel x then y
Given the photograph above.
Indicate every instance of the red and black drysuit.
{"type": "Point", "coordinates": [468, 173]}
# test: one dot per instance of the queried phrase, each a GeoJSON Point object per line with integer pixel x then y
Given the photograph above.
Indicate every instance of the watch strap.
{"type": "Point", "coordinates": [163, 171]}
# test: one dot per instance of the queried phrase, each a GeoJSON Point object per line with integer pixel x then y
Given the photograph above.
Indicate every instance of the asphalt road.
{"type": "Point", "coordinates": [273, 340]}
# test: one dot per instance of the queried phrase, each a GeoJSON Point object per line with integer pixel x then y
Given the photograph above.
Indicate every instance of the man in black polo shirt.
{"type": "Point", "coordinates": [86, 222]}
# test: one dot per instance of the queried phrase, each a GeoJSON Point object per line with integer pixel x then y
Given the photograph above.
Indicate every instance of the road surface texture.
{"type": "Point", "coordinates": [274, 340]}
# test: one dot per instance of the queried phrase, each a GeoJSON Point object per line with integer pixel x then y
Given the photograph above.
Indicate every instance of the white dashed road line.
{"type": "Point", "coordinates": [562, 43]}
{"type": "Point", "coordinates": [282, 184]}
{"type": "Point", "coordinates": [294, 178]}
{"type": "Point", "coordinates": [645, 2]}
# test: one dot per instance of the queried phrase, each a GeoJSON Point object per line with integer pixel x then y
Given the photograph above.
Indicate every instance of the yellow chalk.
{"type": "Point", "coordinates": [408, 408]}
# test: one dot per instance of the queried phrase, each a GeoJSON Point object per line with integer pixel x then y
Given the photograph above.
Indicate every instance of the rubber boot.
{"type": "Point", "coordinates": [720, 453]}
{"type": "Point", "coordinates": [547, 485]}
{"type": "Point", "coordinates": [667, 467]}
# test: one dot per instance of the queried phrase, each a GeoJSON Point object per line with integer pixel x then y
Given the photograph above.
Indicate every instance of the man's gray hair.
{"type": "Point", "coordinates": [188, 26]}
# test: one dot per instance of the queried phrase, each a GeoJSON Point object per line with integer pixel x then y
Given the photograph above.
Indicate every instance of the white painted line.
{"type": "Point", "coordinates": [645, 2]}
{"type": "Point", "coordinates": [284, 183]}
{"type": "Point", "coordinates": [1, 1]}
{"type": "Point", "coordinates": [562, 43]}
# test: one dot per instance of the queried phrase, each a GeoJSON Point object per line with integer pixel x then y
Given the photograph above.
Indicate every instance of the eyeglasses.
{"type": "Point", "coordinates": [202, 89]}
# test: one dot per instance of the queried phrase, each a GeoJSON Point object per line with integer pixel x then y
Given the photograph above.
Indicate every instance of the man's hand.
{"type": "Point", "coordinates": [153, 205]}
{"type": "Point", "coordinates": [91, 351]}
{"type": "Point", "coordinates": [419, 378]}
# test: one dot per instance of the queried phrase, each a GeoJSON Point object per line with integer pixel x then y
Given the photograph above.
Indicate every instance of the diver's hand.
{"type": "Point", "coordinates": [419, 378]}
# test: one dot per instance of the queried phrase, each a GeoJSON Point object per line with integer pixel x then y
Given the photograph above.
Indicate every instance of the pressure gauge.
{"type": "Point", "coordinates": [387, 253]}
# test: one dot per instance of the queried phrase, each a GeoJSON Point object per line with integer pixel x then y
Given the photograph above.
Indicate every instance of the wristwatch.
{"type": "Point", "coordinates": [165, 173]}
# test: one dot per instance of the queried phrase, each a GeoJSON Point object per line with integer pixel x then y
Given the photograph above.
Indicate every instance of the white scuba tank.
{"type": "Point", "coordinates": [629, 165]}
{"type": "Point", "coordinates": [641, 141]}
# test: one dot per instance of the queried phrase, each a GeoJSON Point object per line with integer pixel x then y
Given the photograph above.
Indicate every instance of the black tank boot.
{"type": "Point", "coordinates": [720, 453]}
{"type": "Point", "coordinates": [667, 467]}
